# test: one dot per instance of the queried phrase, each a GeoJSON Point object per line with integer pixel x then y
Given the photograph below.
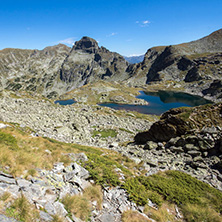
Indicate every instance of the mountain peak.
{"type": "Point", "coordinates": [87, 44]}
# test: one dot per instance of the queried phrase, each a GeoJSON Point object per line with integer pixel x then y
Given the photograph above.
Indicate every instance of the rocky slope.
{"type": "Point", "coordinates": [181, 121]}
{"type": "Point", "coordinates": [31, 70]}
{"type": "Point", "coordinates": [76, 123]}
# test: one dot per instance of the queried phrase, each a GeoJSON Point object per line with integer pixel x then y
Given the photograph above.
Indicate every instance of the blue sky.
{"type": "Point", "coordinates": [125, 26]}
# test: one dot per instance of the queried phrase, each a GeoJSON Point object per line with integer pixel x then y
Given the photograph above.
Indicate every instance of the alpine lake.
{"type": "Point", "coordinates": [159, 102]}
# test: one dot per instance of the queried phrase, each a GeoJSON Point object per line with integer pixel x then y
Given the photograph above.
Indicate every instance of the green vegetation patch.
{"type": "Point", "coordinates": [125, 130]}
{"type": "Point", "coordinates": [174, 186]}
{"type": "Point", "coordinates": [105, 133]}
{"type": "Point", "coordinates": [8, 140]}
{"type": "Point", "coordinates": [102, 169]}
{"type": "Point", "coordinates": [22, 210]}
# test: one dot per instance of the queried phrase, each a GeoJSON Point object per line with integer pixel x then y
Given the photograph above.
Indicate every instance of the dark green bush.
{"type": "Point", "coordinates": [174, 186]}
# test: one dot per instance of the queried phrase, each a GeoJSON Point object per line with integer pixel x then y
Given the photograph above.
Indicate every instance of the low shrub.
{"type": "Point", "coordinates": [101, 170]}
{"type": "Point", "coordinates": [175, 187]}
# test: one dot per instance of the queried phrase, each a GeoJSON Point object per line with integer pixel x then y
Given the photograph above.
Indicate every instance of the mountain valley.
{"type": "Point", "coordinates": [85, 162]}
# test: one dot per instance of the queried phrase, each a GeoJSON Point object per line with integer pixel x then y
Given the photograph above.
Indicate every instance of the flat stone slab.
{"type": "Point", "coordinates": [8, 180]}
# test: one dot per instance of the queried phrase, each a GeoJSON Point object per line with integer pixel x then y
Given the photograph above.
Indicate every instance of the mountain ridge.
{"type": "Point", "coordinates": [57, 69]}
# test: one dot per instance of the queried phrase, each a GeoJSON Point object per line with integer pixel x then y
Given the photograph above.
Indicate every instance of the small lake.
{"type": "Point", "coordinates": [160, 102]}
{"type": "Point", "coordinates": [65, 102]}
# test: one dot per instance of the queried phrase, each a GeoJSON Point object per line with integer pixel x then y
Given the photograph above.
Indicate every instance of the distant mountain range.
{"type": "Point", "coordinates": [134, 59]}
{"type": "Point", "coordinates": [58, 69]}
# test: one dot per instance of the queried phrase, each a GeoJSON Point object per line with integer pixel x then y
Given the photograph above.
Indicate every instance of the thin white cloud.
{"type": "Point", "coordinates": [136, 54]}
{"type": "Point", "coordinates": [144, 23]}
{"type": "Point", "coordinates": [112, 34]}
{"type": "Point", "coordinates": [69, 41]}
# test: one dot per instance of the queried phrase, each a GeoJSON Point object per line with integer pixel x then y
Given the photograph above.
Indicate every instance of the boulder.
{"type": "Point", "coordinates": [150, 145]}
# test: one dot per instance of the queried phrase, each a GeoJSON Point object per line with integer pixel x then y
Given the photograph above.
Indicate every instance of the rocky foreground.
{"type": "Point", "coordinates": [72, 124]}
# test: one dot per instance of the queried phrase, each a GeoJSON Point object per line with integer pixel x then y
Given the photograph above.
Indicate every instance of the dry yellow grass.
{"type": "Point", "coordinates": [165, 213]}
{"type": "Point", "coordinates": [77, 205]}
{"type": "Point", "coordinates": [203, 214]}
{"type": "Point", "coordinates": [94, 193]}
{"type": "Point", "coordinates": [22, 210]}
{"type": "Point", "coordinates": [133, 216]}
{"type": "Point", "coordinates": [21, 154]}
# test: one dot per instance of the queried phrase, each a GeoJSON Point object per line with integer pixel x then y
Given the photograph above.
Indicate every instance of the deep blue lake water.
{"type": "Point", "coordinates": [65, 102]}
{"type": "Point", "coordinates": [160, 102]}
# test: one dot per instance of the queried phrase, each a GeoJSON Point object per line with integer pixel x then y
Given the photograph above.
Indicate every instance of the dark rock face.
{"type": "Point", "coordinates": [192, 75]}
{"type": "Point", "coordinates": [184, 64]}
{"type": "Point", "coordinates": [214, 89]}
{"type": "Point", "coordinates": [165, 59]}
{"type": "Point", "coordinates": [170, 125]}
{"type": "Point", "coordinates": [88, 63]}
{"type": "Point", "coordinates": [181, 121]}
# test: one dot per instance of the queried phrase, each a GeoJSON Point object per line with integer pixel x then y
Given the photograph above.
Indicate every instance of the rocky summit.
{"type": "Point", "coordinates": [88, 63]}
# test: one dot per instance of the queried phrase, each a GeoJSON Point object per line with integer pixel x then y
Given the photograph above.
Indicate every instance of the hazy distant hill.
{"type": "Point", "coordinates": [134, 59]}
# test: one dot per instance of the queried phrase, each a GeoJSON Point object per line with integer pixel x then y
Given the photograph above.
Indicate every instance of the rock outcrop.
{"type": "Point", "coordinates": [181, 121]}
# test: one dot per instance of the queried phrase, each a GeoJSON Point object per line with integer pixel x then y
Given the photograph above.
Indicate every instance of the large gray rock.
{"type": "Point", "coordinates": [45, 216]}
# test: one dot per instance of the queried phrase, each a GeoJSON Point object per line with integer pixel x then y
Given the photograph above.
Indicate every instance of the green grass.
{"type": "Point", "coordinates": [102, 169]}
{"type": "Point", "coordinates": [125, 130]}
{"type": "Point", "coordinates": [8, 140]}
{"type": "Point", "coordinates": [104, 133]}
